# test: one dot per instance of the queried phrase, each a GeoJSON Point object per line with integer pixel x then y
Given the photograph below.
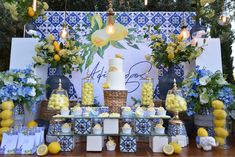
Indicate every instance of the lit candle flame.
{"type": "Point", "coordinates": [64, 34]}
{"type": "Point", "coordinates": [110, 29]}
{"type": "Point", "coordinates": [145, 2]}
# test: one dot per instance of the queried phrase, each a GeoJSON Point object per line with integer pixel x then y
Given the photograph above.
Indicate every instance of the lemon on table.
{"type": "Point", "coordinates": [6, 114]}
{"type": "Point", "coordinates": [201, 132]}
{"type": "Point", "coordinates": [32, 124]}
{"type": "Point", "coordinates": [168, 149]}
{"type": "Point", "coordinates": [7, 105]}
{"type": "Point", "coordinates": [177, 147]}
{"type": "Point", "coordinates": [42, 150]}
{"type": "Point", "coordinates": [54, 147]}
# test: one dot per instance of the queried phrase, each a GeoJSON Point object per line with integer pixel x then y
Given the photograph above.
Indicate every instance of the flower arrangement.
{"type": "Point", "coordinates": [97, 40]}
{"type": "Point", "coordinates": [22, 10]}
{"type": "Point", "coordinates": [67, 54]}
{"type": "Point", "coordinates": [202, 86]}
{"type": "Point", "coordinates": [172, 53]}
{"type": "Point", "coordinates": [21, 86]}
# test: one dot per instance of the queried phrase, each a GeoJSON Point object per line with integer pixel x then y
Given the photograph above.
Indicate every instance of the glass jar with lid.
{"type": "Point", "coordinates": [147, 91]}
{"type": "Point", "coordinates": [87, 90]}
{"type": "Point", "coordinates": [59, 98]}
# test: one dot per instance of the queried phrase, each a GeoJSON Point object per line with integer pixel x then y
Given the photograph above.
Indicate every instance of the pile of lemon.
{"type": "Point", "coordinates": [52, 148]}
{"type": "Point", "coordinates": [6, 116]}
{"type": "Point", "coordinates": [219, 121]}
{"type": "Point", "coordinates": [171, 148]}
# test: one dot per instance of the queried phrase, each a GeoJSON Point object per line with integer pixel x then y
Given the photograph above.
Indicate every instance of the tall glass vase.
{"type": "Point", "coordinates": [19, 116]}
{"type": "Point", "coordinates": [226, 145]}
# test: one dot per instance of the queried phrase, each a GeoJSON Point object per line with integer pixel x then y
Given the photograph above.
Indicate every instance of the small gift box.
{"type": "Point", "coordinates": [143, 126]}
{"type": "Point", "coordinates": [156, 143]}
{"type": "Point", "coordinates": [82, 126]}
{"type": "Point", "coordinates": [95, 143]}
{"type": "Point", "coordinates": [128, 144]}
{"type": "Point", "coordinates": [67, 143]}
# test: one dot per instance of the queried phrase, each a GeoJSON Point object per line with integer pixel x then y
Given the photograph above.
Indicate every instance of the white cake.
{"type": "Point", "coordinates": [116, 76]}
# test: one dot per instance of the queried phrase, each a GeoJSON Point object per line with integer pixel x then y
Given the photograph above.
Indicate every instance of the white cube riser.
{"type": "Point", "coordinates": [111, 126]}
{"type": "Point", "coordinates": [94, 143]}
{"type": "Point", "coordinates": [156, 143]}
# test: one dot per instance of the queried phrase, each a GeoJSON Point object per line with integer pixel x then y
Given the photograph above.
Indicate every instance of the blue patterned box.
{"type": "Point", "coordinates": [54, 129]}
{"type": "Point", "coordinates": [143, 126]}
{"type": "Point", "coordinates": [128, 144]}
{"type": "Point", "coordinates": [67, 143]}
{"type": "Point", "coordinates": [82, 126]}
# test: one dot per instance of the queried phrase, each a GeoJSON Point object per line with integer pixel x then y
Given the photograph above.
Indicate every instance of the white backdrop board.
{"type": "Point", "coordinates": [135, 65]}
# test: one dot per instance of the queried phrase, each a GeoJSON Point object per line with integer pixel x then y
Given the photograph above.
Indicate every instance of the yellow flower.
{"type": "Point", "coordinates": [12, 9]}
{"type": "Point", "coordinates": [100, 38]}
{"type": "Point", "coordinates": [171, 56]}
{"type": "Point", "coordinates": [67, 44]}
{"type": "Point", "coordinates": [148, 57]}
{"type": "Point", "coordinates": [170, 49]}
{"type": "Point", "coordinates": [38, 60]}
{"type": "Point", "coordinates": [120, 32]}
{"type": "Point", "coordinates": [153, 37]}
{"type": "Point", "coordinates": [118, 56]}
{"type": "Point", "coordinates": [50, 37]}
{"type": "Point", "coordinates": [62, 52]}
{"type": "Point", "coordinates": [45, 6]}
{"type": "Point", "coordinates": [98, 19]}
{"type": "Point", "coordinates": [77, 60]}
{"type": "Point", "coordinates": [157, 44]}
{"type": "Point", "coordinates": [105, 85]}
{"type": "Point", "coordinates": [37, 48]}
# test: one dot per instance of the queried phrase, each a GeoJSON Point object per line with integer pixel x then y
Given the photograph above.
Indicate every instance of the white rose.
{"type": "Point", "coordinates": [204, 99]}
{"type": "Point", "coordinates": [31, 81]}
{"type": "Point", "coordinates": [204, 80]}
{"type": "Point", "coordinates": [221, 81]}
{"type": "Point", "coordinates": [32, 92]}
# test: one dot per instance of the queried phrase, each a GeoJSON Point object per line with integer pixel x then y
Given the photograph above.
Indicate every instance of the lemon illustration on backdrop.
{"type": "Point", "coordinates": [120, 32]}
{"type": "Point", "coordinates": [98, 19]}
{"type": "Point", "coordinates": [100, 38]}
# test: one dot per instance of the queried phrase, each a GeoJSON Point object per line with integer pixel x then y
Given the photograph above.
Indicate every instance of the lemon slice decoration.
{"type": "Point", "coordinates": [168, 149]}
{"type": "Point", "coordinates": [42, 150]}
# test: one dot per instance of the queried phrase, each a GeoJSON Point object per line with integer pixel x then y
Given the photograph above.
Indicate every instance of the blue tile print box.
{"type": "Point", "coordinates": [143, 126]}
{"type": "Point", "coordinates": [67, 143]}
{"type": "Point", "coordinates": [170, 23]}
{"type": "Point", "coordinates": [128, 144]}
{"type": "Point", "coordinates": [82, 126]}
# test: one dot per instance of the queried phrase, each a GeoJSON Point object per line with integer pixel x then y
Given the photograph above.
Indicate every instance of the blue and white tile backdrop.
{"type": "Point", "coordinates": [170, 22]}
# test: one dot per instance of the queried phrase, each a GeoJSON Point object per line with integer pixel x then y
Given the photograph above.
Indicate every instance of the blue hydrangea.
{"type": "Point", "coordinates": [226, 95]}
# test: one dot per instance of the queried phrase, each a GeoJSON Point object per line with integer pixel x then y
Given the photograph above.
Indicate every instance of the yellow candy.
{"type": "Point", "coordinates": [219, 123]}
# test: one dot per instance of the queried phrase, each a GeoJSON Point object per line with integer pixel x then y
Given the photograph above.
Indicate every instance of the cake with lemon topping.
{"type": "Point", "coordinates": [116, 75]}
{"type": "Point", "coordinates": [159, 129]}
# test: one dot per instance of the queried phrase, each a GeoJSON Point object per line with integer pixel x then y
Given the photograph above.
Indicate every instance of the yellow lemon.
{"type": "Point", "coordinates": [56, 46]}
{"type": "Point", "coordinates": [42, 150]}
{"type": "Point", "coordinates": [32, 124]}
{"type": "Point", "coordinates": [171, 55]}
{"type": "Point", "coordinates": [219, 123]}
{"type": "Point", "coordinates": [177, 147]}
{"type": "Point", "coordinates": [201, 132]}
{"type": "Point", "coordinates": [100, 38]}
{"type": "Point", "coordinates": [4, 129]}
{"type": "Point", "coordinates": [31, 13]}
{"type": "Point", "coordinates": [220, 140]}
{"type": "Point", "coordinates": [120, 32]}
{"type": "Point", "coordinates": [219, 114]}
{"type": "Point", "coordinates": [7, 123]}
{"type": "Point", "coordinates": [98, 19]}
{"type": "Point", "coordinates": [7, 105]}
{"type": "Point", "coordinates": [221, 132]}
{"type": "Point", "coordinates": [54, 147]}
{"type": "Point", "coordinates": [56, 57]}
{"type": "Point", "coordinates": [6, 114]}
{"type": "Point", "coordinates": [217, 104]}
{"type": "Point", "coordinates": [168, 149]}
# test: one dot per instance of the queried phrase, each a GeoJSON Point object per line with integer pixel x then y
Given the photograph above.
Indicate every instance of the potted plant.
{"type": "Point", "coordinates": [170, 54]}
{"type": "Point", "coordinates": [65, 57]}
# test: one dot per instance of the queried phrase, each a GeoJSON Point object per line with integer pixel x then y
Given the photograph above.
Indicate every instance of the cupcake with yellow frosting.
{"type": "Point", "coordinates": [126, 129]}
{"type": "Point", "coordinates": [126, 112]}
{"type": "Point", "coordinates": [161, 111]}
{"type": "Point", "coordinates": [65, 111]}
{"type": "Point", "coordinates": [66, 128]}
{"type": "Point", "coordinates": [159, 129]}
{"type": "Point", "coordinates": [111, 145]}
{"type": "Point", "coordinates": [151, 111]}
{"type": "Point", "coordinates": [114, 115]}
{"type": "Point", "coordinates": [77, 111]}
{"type": "Point", "coordinates": [139, 112]}
{"type": "Point", "coordinates": [97, 129]}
